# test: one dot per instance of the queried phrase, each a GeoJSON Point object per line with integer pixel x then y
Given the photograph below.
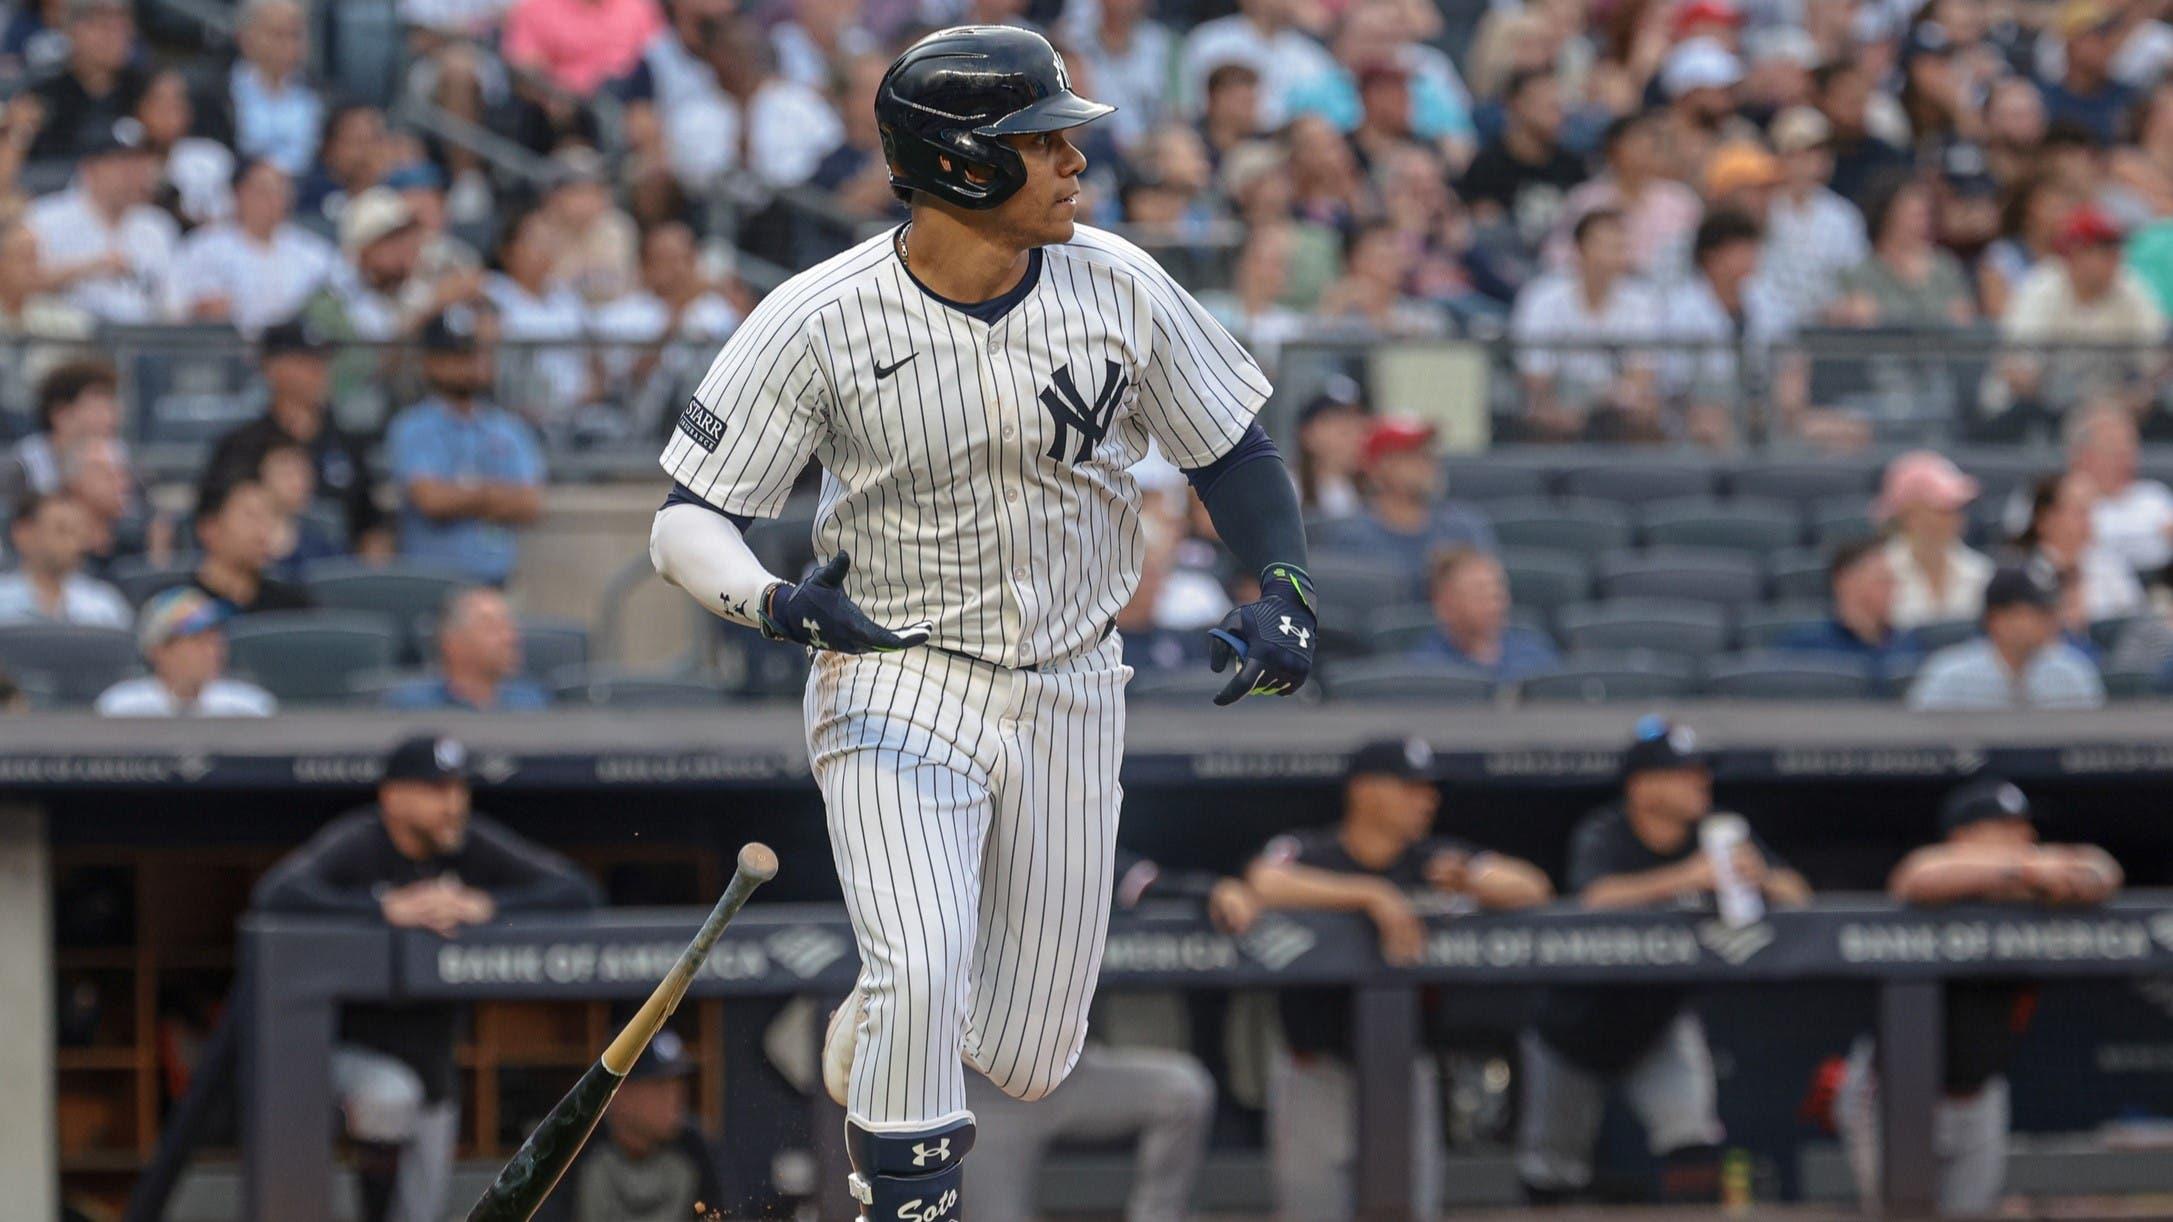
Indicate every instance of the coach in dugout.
{"type": "Point", "coordinates": [1988, 853]}
{"type": "Point", "coordinates": [1381, 860]}
{"type": "Point", "coordinates": [1642, 852]}
{"type": "Point", "coordinates": [650, 1162]}
{"type": "Point", "coordinates": [419, 860]}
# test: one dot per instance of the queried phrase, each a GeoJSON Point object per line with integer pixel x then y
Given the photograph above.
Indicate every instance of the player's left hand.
{"type": "Point", "coordinates": [1271, 639]}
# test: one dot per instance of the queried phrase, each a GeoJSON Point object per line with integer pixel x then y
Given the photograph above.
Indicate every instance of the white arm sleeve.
{"type": "Point", "coordinates": [702, 552]}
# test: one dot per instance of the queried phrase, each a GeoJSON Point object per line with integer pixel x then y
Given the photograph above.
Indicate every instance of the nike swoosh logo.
{"type": "Point", "coordinates": [884, 371]}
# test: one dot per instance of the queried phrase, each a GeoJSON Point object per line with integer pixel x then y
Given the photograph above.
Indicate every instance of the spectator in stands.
{"type": "Point", "coordinates": [1908, 282]}
{"type": "Point", "coordinates": [1406, 521]}
{"type": "Point", "coordinates": [1659, 213]}
{"type": "Point", "coordinates": [1370, 293]}
{"type": "Point", "coordinates": [381, 293]}
{"type": "Point", "coordinates": [1469, 593]}
{"type": "Point", "coordinates": [1519, 179]}
{"type": "Point", "coordinates": [1253, 307]}
{"type": "Point", "coordinates": [548, 376]}
{"type": "Point", "coordinates": [39, 329]}
{"type": "Point", "coordinates": [479, 661]}
{"type": "Point", "coordinates": [2014, 129]}
{"type": "Point", "coordinates": [1575, 385]}
{"type": "Point", "coordinates": [650, 1160]}
{"type": "Point", "coordinates": [789, 127]}
{"type": "Point", "coordinates": [1389, 88]}
{"type": "Point", "coordinates": [1860, 624]}
{"type": "Point", "coordinates": [1862, 157]}
{"type": "Point", "coordinates": [97, 86]}
{"type": "Point", "coordinates": [2031, 219]}
{"type": "Point", "coordinates": [183, 637]}
{"type": "Point", "coordinates": [469, 472]}
{"type": "Point", "coordinates": [354, 157]}
{"type": "Point", "coordinates": [854, 174]}
{"type": "Point", "coordinates": [1176, 601]}
{"type": "Point", "coordinates": [238, 527]}
{"type": "Point", "coordinates": [1725, 305]}
{"type": "Point", "coordinates": [2084, 298]}
{"type": "Point", "coordinates": [417, 860]}
{"type": "Point", "coordinates": [1813, 236]}
{"type": "Point", "coordinates": [278, 115]}
{"type": "Point", "coordinates": [256, 270]}
{"type": "Point", "coordinates": [1332, 431]}
{"type": "Point", "coordinates": [1327, 190]}
{"type": "Point", "coordinates": [1642, 852]}
{"type": "Point", "coordinates": [2021, 661]}
{"type": "Point", "coordinates": [194, 183]}
{"type": "Point", "coordinates": [2086, 92]}
{"type": "Point", "coordinates": [820, 36]}
{"type": "Point", "coordinates": [2096, 584]}
{"type": "Point", "coordinates": [94, 474]}
{"type": "Point", "coordinates": [1698, 78]}
{"type": "Point", "coordinates": [577, 45]}
{"type": "Point", "coordinates": [597, 245]}
{"type": "Point", "coordinates": [1127, 53]}
{"type": "Point", "coordinates": [1262, 36]}
{"type": "Point", "coordinates": [77, 402]}
{"type": "Point", "coordinates": [1161, 1099]}
{"type": "Point", "coordinates": [14, 701]}
{"type": "Point", "coordinates": [1988, 852]}
{"type": "Point", "coordinates": [668, 329]}
{"type": "Point", "coordinates": [2142, 172]}
{"type": "Point", "coordinates": [294, 357]}
{"type": "Point", "coordinates": [1232, 115]}
{"type": "Point", "coordinates": [51, 536]}
{"type": "Point", "coordinates": [289, 476]}
{"type": "Point", "coordinates": [1940, 579]}
{"type": "Point", "coordinates": [101, 242]}
{"type": "Point", "coordinates": [1381, 860]}
{"type": "Point", "coordinates": [2132, 517]}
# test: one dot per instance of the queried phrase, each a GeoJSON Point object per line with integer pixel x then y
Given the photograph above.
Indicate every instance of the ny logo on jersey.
{"type": "Point", "coordinates": [1068, 410]}
{"type": "Point", "coordinates": [922, 1151]}
{"type": "Point", "coordinates": [1304, 635]}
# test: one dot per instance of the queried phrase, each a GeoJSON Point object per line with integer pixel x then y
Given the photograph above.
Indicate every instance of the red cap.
{"type": "Point", "coordinates": [1397, 435]}
{"type": "Point", "coordinates": [1694, 13]}
{"type": "Point", "coordinates": [2088, 225]}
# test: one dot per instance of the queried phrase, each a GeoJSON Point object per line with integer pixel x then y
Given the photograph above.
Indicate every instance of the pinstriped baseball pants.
{"type": "Point", "coordinates": [973, 817]}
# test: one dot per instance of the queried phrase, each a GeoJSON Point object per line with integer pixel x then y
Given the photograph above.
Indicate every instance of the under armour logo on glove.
{"type": "Point", "coordinates": [816, 613]}
{"type": "Point", "coordinates": [1272, 637]}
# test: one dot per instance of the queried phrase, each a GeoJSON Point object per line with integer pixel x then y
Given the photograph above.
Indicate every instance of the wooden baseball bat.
{"type": "Point", "coordinates": [536, 1167]}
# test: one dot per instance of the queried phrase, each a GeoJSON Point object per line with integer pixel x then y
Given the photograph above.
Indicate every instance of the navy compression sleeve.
{"type": "Point", "coordinates": [1252, 503]}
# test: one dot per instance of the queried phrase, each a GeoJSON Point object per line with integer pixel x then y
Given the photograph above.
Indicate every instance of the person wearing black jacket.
{"type": "Point", "coordinates": [295, 358]}
{"type": "Point", "coordinates": [647, 1162]}
{"type": "Point", "coordinates": [419, 860]}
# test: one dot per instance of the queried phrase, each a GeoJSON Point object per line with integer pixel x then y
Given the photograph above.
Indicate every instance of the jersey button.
{"type": "Point", "coordinates": [1012, 496]}
{"type": "Point", "coordinates": [1010, 432]}
{"type": "Point", "coordinates": [1018, 574]}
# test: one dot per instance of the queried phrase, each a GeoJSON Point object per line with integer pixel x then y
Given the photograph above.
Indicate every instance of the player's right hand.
{"type": "Point", "coordinates": [816, 613]}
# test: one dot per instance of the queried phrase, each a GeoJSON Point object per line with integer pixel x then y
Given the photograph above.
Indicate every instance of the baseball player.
{"type": "Point", "coordinates": [975, 384]}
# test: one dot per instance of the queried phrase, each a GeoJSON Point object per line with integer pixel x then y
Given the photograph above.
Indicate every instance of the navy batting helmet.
{"type": "Point", "coordinates": [956, 93]}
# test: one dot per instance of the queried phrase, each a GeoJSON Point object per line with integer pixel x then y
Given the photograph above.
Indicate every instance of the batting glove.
{"type": "Point", "coordinates": [816, 613]}
{"type": "Point", "coordinates": [1272, 638]}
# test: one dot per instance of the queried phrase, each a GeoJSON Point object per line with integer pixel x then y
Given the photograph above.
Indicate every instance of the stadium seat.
{"type": "Point", "coordinates": [1798, 573]}
{"type": "Point", "coordinates": [1762, 626]}
{"type": "Point", "coordinates": [1397, 631]}
{"type": "Point", "coordinates": [550, 644]}
{"type": "Point", "coordinates": [1805, 480]}
{"type": "Point", "coordinates": [1583, 527]}
{"type": "Point", "coordinates": [1698, 574]}
{"type": "Point", "coordinates": [1608, 677]}
{"type": "Point", "coordinates": [2106, 633]}
{"type": "Point", "coordinates": [411, 595]}
{"type": "Point", "coordinates": [369, 687]}
{"type": "Point", "coordinates": [1936, 637]}
{"type": "Point", "coordinates": [1744, 524]}
{"type": "Point", "coordinates": [1637, 480]}
{"type": "Point", "coordinates": [1545, 581]}
{"type": "Point", "coordinates": [73, 662]}
{"type": "Point", "coordinates": [1485, 477]}
{"type": "Point", "coordinates": [1352, 586]}
{"type": "Point", "coordinates": [311, 657]}
{"type": "Point", "coordinates": [1192, 686]}
{"type": "Point", "coordinates": [1787, 675]}
{"type": "Point", "coordinates": [1840, 519]}
{"type": "Point", "coordinates": [2002, 471]}
{"type": "Point", "coordinates": [612, 688]}
{"type": "Point", "coordinates": [1676, 627]}
{"type": "Point", "coordinates": [1405, 679]}
{"type": "Point", "coordinates": [2133, 683]}
{"type": "Point", "coordinates": [139, 579]}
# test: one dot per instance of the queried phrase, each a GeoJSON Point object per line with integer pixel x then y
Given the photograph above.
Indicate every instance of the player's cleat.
{"type": "Point", "coordinates": [837, 1046]}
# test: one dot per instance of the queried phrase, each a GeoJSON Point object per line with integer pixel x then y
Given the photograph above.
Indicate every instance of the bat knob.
{"type": "Point", "coordinates": [758, 861]}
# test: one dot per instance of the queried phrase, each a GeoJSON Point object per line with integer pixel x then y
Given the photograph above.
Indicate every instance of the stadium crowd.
{"type": "Point", "coordinates": [1647, 207]}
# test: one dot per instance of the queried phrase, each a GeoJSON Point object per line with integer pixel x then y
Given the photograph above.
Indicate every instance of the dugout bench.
{"type": "Point", "coordinates": [300, 971]}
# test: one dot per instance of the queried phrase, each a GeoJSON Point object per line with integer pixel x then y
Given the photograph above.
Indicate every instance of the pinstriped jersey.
{"type": "Point", "coordinates": [976, 471]}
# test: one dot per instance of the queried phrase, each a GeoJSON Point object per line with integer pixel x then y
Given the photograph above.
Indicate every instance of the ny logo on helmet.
{"type": "Point", "coordinates": [1068, 410]}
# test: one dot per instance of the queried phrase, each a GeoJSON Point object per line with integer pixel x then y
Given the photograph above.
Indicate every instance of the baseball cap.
{"type": "Point", "coordinates": [1981, 799]}
{"type": "Point", "coordinates": [1739, 165]}
{"type": "Point", "coordinates": [2028, 584]}
{"type": "Point", "coordinates": [1397, 435]}
{"type": "Point", "coordinates": [1409, 759]}
{"type": "Point", "coordinates": [427, 757]}
{"type": "Point", "coordinates": [1699, 63]}
{"type": "Point", "coordinates": [1695, 13]}
{"type": "Point", "coordinates": [2088, 225]}
{"type": "Point", "coordinates": [1784, 44]}
{"type": "Point", "coordinates": [1799, 128]}
{"type": "Point", "coordinates": [1967, 170]}
{"type": "Point", "coordinates": [1922, 477]}
{"type": "Point", "coordinates": [296, 336]}
{"type": "Point", "coordinates": [1926, 38]}
{"type": "Point", "coordinates": [123, 135]}
{"type": "Point", "coordinates": [2084, 16]}
{"type": "Point", "coordinates": [1660, 745]}
{"type": "Point", "coordinates": [373, 216]}
{"type": "Point", "coordinates": [1340, 392]}
{"type": "Point", "coordinates": [454, 329]}
{"type": "Point", "coordinates": [665, 1057]}
{"type": "Point", "coordinates": [176, 613]}
{"type": "Point", "coordinates": [576, 164]}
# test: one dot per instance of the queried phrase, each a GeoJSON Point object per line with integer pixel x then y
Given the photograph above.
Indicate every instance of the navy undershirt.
{"type": "Point", "coordinates": [994, 308]}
